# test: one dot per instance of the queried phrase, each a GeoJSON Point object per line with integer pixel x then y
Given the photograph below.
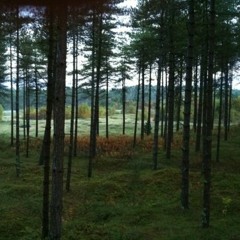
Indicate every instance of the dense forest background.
{"type": "Point", "coordinates": [63, 62]}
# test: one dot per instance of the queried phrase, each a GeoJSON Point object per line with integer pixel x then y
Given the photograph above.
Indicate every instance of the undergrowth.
{"type": "Point", "coordinates": [125, 199]}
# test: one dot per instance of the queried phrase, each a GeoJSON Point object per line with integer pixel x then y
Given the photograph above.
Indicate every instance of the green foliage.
{"type": "Point", "coordinates": [112, 111]}
{"type": "Point", "coordinates": [147, 128]}
{"type": "Point", "coordinates": [102, 111]}
{"type": "Point", "coordinates": [41, 113]}
{"type": "Point", "coordinates": [236, 103]}
{"type": "Point", "coordinates": [125, 199]}
{"type": "Point", "coordinates": [68, 112]}
{"type": "Point", "coordinates": [84, 111]}
{"type": "Point", "coordinates": [131, 107]}
{"type": "Point", "coordinates": [1, 112]}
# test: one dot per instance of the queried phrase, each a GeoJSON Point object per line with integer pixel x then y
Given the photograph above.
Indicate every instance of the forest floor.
{"type": "Point", "coordinates": [125, 199]}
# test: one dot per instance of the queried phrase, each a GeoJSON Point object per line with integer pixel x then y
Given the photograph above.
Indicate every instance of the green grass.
{"type": "Point", "coordinates": [125, 199]}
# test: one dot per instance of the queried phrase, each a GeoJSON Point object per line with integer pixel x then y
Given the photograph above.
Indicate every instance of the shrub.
{"type": "Point", "coordinates": [41, 113]}
{"type": "Point", "coordinates": [131, 107]}
{"type": "Point", "coordinates": [68, 112]}
{"type": "Point", "coordinates": [147, 128]}
{"type": "Point", "coordinates": [84, 111]}
{"type": "Point", "coordinates": [102, 111]}
{"type": "Point", "coordinates": [111, 110]}
{"type": "Point", "coordinates": [1, 112]}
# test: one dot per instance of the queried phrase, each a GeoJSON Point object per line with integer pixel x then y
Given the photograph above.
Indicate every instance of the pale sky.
{"type": "Point", "coordinates": [129, 3]}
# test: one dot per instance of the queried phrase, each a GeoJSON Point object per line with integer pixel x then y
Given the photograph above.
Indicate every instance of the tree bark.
{"type": "Point", "coordinates": [18, 165]}
{"type": "Point", "coordinates": [136, 113]}
{"type": "Point", "coordinates": [219, 117]}
{"type": "Point", "coordinates": [187, 110]}
{"type": "Point", "coordinates": [207, 139]}
{"type": "Point", "coordinates": [157, 119]}
{"type": "Point", "coordinates": [59, 117]}
{"type": "Point", "coordinates": [46, 146]}
{"type": "Point", "coordinates": [70, 149]}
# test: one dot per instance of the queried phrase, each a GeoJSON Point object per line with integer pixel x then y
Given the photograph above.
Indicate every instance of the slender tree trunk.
{"type": "Point", "coordinates": [157, 119]}
{"type": "Point", "coordinates": [170, 100]}
{"type": "Point", "coordinates": [219, 117]}
{"type": "Point", "coordinates": [92, 147]}
{"type": "Point", "coordinates": [162, 103]}
{"type": "Point", "coordinates": [76, 102]}
{"type": "Point", "coordinates": [136, 113]}
{"type": "Point", "coordinates": [226, 103]}
{"type": "Point", "coordinates": [179, 96]}
{"type": "Point", "coordinates": [107, 106]}
{"type": "Point", "coordinates": [123, 104]}
{"type": "Point", "coordinates": [70, 149]}
{"type": "Point", "coordinates": [143, 103]}
{"type": "Point", "coordinates": [36, 98]}
{"type": "Point", "coordinates": [24, 109]}
{"type": "Point", "coordinates": [46, 146]}
{"type": "Point", "coordinates": [187, 110]}
{"type": "Point", "coordinates": [230, 102]}
{"type": "Point", "coordinates": [27, 114]}
{"type": "Point", "coordinates": [59, 115]}
{"type": "Point", "coordinates": [207, 151]}
{"type": "Point", "coordinates": [195, 98]}
{"type": "Point", "coordinates": [11, 84]}
{"type": "Point", "coordinates": [200, 101]}
{"type": "Point", "coordinates": [166, 110]}
{"type": "Point", "coordinates": [148, 126]}
{"type": "Point", "coordinates": [214, 99]}
{"type": "Point", "coordinates": [98, 75]}
{"type": "Point", "coordinates": [18, 165]}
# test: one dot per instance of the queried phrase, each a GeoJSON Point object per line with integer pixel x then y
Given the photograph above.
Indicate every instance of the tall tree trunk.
{"type": "Point", "coordinates": [195, 98]}
{"type": "Point", "coordinates": [70, 149]}
{"type": "Point", "coordinates": [136, 113]}
{"type": "Point", "coordinates": [46, 146]}
{"type": "Point", "coordinates": [170, 98]}
{"type": "Point", "coordinates": [143, 102]}
{"type": "Point", "coordinates": [226, 103]}
{"type": "Point", "coordinates": [163, 93]}
{"type": "Point", "coordinates": [27, 114]}
{"type": "Point", "coordinates": [214, 99]}
{"type": "Point", "coordinates": [24, 109]}
{"type": "Point", "coordinates": [123, 104]}
{"type": "Point", "coordinates": [157, 119]}
{"type": "Point", "coordinates": [203, 73]}
{"type": "Point", "coordinates": [36, 97]}
{"type": "Point", "coordinates": [92, 145]}
{"type": "Point", "coordinates": [187, 110]}
{"type": "Point", "coordinates": [148, 126]}
{"type": "Point", "coordinates": [76, 102]}
{"type": "Point", "coordinates": [219, 117]}
{"type": "Point", "coordinates": [98, 75]}
{"type": "Point", "coordinates": [207, 139]}
{"type": "Point", "coordinates": [11, 84]}
{"type": "Point", "coordinates": [179, 96]}
{"type": "Point", "coordinates": [107, 104]}
{"type": "Point", "coordinates": [230, 102]}
{"type": "Point", "coordinates": [59, 115]}
{"type": "Point", "coordinates": [18, 165]}
{"type": "Point", "coordinates": [166, 109]}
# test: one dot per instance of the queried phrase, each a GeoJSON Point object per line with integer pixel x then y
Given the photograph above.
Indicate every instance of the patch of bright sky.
{"type": "Point", "coordinates": [128, 3]}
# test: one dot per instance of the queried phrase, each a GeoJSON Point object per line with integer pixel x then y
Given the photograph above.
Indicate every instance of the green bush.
{"type": "Point", "coordinates": [84, 111]}
{"type": "Point", "coordinates": [41, 113]}
{"type": "Point", "coordinates": [102, 111]}
{"type": "Point", "coordinates": [68, 112]}
{"type": "Point", "coordinates": [1, 112]}
{"type": "Point", "coordinates": [111, 111]}
{"type": "Point", "coordinates": [131, 107]}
